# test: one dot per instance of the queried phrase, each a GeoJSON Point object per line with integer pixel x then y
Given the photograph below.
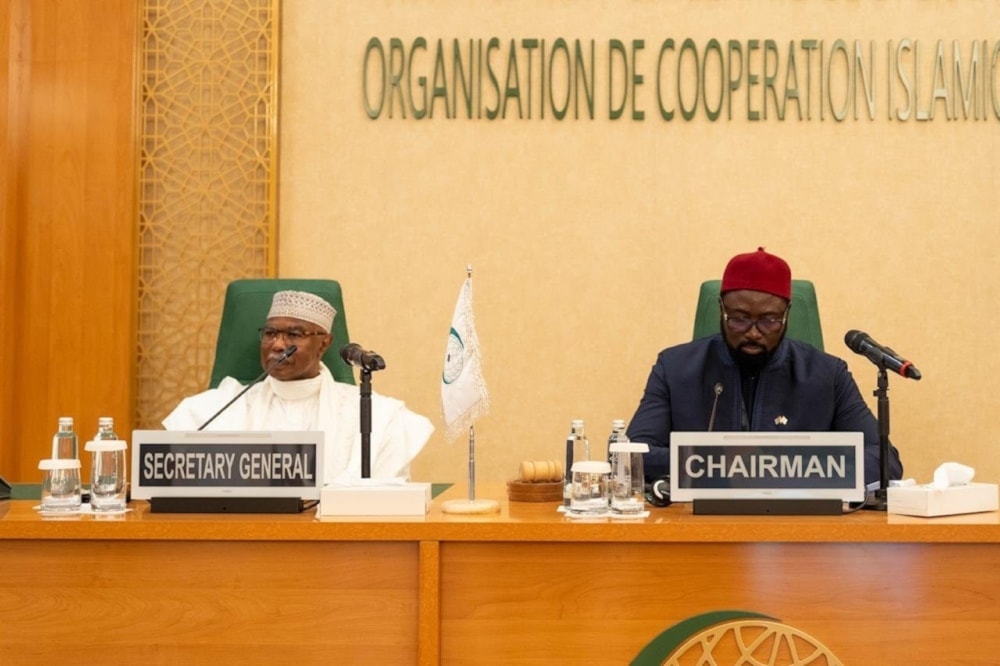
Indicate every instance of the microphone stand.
{"type": "Point", "coordinates": [879, 501]}
{"type": "Point", "coordinates": [366, 423]}
{"type": "Point", "coordinates": [353, 355]}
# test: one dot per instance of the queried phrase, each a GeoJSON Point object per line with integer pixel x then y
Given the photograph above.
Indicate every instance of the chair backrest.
{"type": "Point", "coordinates": [247, 302]}
{"type": "Point", "coordinates": [803, 319]}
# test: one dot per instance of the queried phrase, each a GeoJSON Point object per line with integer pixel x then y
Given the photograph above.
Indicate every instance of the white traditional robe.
{"type": "Point", "coordinates": [319, 403]}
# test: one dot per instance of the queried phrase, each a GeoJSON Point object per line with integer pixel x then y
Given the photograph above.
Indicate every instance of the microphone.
{"type": "Point", "coordinates": [657, 492]}
{"type": "Point", "coordinates": [353, 354]}
{"type": "Point", "coordinates": [715, 403]}
{"type": "Point", "coordinates": [282, 357]}
{"type": "Point", "coordinates": [862, 343]}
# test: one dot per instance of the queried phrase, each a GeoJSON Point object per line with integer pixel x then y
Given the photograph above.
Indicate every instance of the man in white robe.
{"type": "Point", "coordinates": [300, 393]}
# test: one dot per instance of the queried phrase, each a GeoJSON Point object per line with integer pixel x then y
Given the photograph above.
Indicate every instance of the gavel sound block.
{"type": "Point", "coordinates": [538, 481]}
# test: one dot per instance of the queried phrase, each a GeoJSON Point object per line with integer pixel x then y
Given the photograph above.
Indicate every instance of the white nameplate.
{"type": "Point", "coordinates": [767, 465]}
{"type": "Point", "coordinates": [226, 464]}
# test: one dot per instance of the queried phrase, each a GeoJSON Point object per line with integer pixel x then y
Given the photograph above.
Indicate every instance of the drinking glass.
{"type": "Point", "coordinates": [107, 475]}
{"type": "Point", "coordinates": [628, 483]}
{"type": "Point", "coordinates": [60, 485]}
{"type": "Point", "coordinates": [589, 492]}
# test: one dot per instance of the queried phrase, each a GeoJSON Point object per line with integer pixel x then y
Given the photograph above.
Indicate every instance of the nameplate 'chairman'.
{"type": "Point", "coordinates": [747, 465]}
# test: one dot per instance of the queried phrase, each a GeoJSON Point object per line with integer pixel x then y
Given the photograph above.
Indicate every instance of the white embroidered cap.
{"type": "Point", "coordinates": [305, 306]}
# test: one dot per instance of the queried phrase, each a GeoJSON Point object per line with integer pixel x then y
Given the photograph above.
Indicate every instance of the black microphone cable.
{"type": "Point", "coordinates": [282, 357]}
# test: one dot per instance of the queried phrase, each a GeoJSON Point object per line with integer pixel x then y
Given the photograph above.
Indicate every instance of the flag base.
{"type": "Point", "coordinates": [471, 506]}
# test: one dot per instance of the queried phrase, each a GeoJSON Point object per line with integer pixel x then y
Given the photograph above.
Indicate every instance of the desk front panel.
{"type": "Point", "coordinates": [525, 585]}
{"type": "Point", "coordinates": [601, 603]}
{"type": "Point", "coordinates": [215, 602]}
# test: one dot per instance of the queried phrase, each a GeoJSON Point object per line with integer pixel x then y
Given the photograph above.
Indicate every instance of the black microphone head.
{"type": "Point", "coordinates": [354, 354]}
{"type": "Point", "coordinates": [347, 351]}
{"type": "Point", "coordinates": [291, 349]}
{"type": "Point", "coordinates": [375, 363]}
{"type": "Point", "coordinates": [853, 340]}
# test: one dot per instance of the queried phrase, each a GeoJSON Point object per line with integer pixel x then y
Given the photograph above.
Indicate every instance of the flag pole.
{"type": "Point", "coordinates": [471, 505]}
{"type": "Point", "coordinates": [472, 463]}
{"type": "Point", "coordinates": [472, 432]}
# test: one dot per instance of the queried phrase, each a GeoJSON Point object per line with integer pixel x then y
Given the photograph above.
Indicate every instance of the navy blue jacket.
{"type": "Point", "coordinates": [812, 390]}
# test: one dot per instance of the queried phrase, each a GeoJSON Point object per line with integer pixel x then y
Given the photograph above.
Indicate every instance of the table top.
{"type": "Point", "coordinates": [515, 521]}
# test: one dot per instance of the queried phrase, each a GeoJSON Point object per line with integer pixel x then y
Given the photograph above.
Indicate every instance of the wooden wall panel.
{"type": "Point", "coordinates": [12, 28]}
{"type": "Point", "coordinates": [68, 168]}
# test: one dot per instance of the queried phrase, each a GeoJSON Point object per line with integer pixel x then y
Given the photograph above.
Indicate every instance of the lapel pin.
{"type": "Point", "coordinates": [780, 420]}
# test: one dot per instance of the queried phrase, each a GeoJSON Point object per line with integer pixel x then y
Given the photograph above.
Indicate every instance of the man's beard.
{"type": "Point", "coordinates": [751, 362]}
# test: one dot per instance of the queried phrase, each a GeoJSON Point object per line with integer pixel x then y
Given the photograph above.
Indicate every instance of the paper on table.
{"type": "Point", "coordinates": [952, 474]}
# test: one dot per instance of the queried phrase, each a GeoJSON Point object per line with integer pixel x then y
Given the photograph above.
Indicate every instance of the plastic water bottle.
{"type": "Point", "coordinates": [64, 442]}
{"type": "Point", "coordinates": [617, 434]}
{"type": "Point", "coordinates": [577, 449]}
{"type": "Point", "coordinates": [105, 428]}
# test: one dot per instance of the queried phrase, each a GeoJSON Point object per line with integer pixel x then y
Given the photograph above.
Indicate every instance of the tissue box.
{"type": "Point", "coordinates": [929, 501]}
{"type": "Point", "coordinates": [375, 499]}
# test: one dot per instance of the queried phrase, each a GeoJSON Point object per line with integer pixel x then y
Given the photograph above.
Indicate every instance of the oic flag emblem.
{"type": "Point", "coordinates": [454, 358]}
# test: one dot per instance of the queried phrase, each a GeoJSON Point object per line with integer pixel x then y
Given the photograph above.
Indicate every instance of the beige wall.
{"type": "Point", "coordinates": [589, 238]}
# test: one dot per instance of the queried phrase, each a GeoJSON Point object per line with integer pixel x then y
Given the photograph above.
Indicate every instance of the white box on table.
{"type": "Point", "coordinates": [928, 501]}
{"type": "Point", "coordinates": [372, 497]}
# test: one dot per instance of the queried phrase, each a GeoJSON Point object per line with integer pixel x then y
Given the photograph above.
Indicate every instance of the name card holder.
{"type": "Point", "coordinates": [762, 473]}
{"type": "Point", "coordinates": [227, 472]}
{"type": "Point", "coordinates": [227, 505]}
{"type": "Point", "coordinates": [776, 507]}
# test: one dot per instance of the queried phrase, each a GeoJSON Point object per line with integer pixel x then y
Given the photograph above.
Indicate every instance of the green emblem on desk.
{"type": "Point", "coordinates": [734, 637]}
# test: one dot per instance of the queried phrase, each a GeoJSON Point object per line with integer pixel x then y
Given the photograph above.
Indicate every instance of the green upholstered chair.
{"type": "Point", "coordinates": [803, 320]}
{"type": "Point", "coordinates": [237, 350]}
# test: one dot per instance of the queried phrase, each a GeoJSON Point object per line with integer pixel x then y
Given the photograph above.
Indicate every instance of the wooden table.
{"type": "Point", "coordinates": [524, 586]}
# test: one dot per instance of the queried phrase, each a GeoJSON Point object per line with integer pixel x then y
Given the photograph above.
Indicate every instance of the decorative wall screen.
{"type": "Point", "coordinates": [207, 174]}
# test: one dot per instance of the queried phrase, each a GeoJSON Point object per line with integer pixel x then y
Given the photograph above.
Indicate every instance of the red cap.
{"type": "Point", "coordinates": [758, 271]}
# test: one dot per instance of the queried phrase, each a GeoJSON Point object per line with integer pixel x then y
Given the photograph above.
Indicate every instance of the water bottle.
{"type": "Point", "coordinates": [577, 449]}
{"type": "Point", "coordinates": [107, 468]}
{"type": "Point", "coordinates": [105, 428]}
{"type": "Point", "coordinates": [64, 442]}
{"type": "Point", "coordinates": [617, 434]}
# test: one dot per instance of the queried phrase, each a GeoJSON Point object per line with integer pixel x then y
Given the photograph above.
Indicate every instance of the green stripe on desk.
{"type": "Point", "coordinates": [23, 491]}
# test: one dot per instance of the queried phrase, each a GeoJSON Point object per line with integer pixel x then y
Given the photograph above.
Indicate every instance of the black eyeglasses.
{"type": "Point", "coordinates": [291, 335]}
{"type": "Point", "coordinates": [767, 324]}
